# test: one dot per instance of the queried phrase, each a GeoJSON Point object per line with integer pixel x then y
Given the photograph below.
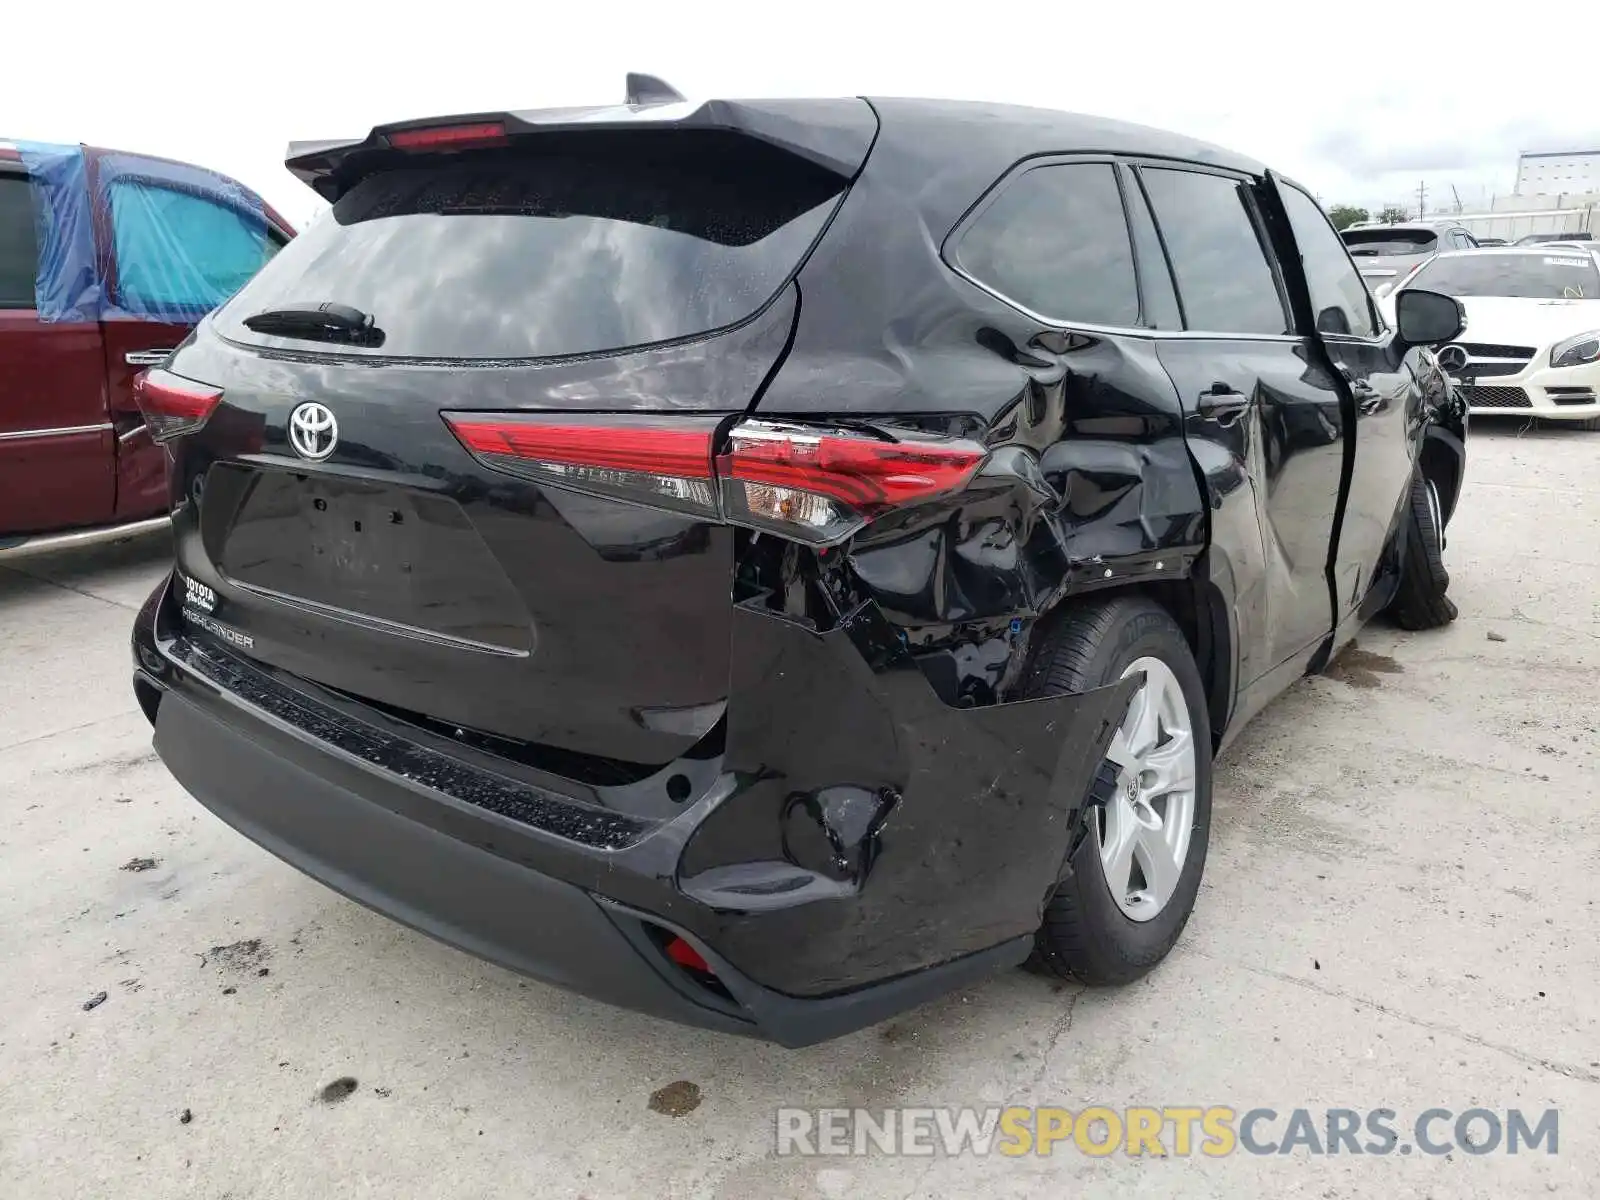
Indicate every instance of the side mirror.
{"type": "Point", "coordinates": [1425, 318]}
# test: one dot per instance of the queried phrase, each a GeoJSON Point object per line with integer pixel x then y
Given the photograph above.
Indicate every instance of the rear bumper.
{"type": "Point", "coordinates": [823, 898]}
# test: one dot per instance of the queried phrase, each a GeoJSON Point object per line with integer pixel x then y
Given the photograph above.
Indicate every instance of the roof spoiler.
{"type": "Point", "coordinates": [833, 134]}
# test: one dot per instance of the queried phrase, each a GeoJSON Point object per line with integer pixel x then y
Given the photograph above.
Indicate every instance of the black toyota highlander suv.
{"type": "Point", "coordinates": [769, 563]}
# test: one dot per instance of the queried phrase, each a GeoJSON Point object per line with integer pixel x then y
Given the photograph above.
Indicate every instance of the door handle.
{"type": "Point", "coordinates": [145, 358]}
{"type": "Point", "coordinates": [1222, 404]}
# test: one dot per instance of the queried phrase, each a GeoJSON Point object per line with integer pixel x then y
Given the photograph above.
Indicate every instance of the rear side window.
{"type": "Point", "coordinates": [1223, 275]}
{"type": "Point", "coordinates": [178, 252]}
{"type": "Point", "coordinates": [1055, 241]}
{"type": "Point", "coordinates": [504, 254]}
{"type": "Point", "coordinates": [1160, 298]}
{"type": "Point", "coordinates": [19, 250]}
{"type": "Point", "coordinates": [1339, 298]}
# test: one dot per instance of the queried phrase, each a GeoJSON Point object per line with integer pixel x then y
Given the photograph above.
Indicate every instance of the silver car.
{"type": "Point", "coordinates": [1385, 254]}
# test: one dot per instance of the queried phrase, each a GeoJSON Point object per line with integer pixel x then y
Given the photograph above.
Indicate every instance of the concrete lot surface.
{"type": "Point", "coordinates": [1400, 911]}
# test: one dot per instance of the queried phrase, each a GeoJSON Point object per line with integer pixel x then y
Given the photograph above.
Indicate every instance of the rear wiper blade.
{"type": "Point", "coordinates": [324, 322]}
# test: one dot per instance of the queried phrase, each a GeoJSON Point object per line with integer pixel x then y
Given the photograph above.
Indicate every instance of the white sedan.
{"type": "Point", "coordinates": [1532, 342]}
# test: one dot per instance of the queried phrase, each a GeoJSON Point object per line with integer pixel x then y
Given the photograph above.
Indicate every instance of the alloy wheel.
{"type": "Point", "coordinates": [1143, 831]}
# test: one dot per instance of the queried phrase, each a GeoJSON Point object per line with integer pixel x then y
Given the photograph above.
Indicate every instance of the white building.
{"type": "Point", "coordinates": [1558, 173]}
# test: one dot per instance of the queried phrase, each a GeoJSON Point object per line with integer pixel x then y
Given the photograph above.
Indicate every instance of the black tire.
{"type": "Point", "coordinates": [1420, 602]}
{"type": "Point", "coordinates": [1085, 935]}
{"type": "Point", "coordinates": [1589, 424]}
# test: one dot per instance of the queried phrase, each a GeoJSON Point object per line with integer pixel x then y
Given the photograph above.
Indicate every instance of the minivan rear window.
{"type": "Point", "coordinates": [519, 254]}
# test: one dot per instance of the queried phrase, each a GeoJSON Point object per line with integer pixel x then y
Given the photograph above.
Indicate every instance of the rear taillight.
{"type": "Point", "coordinates": [172, 405]}
{"type": "Point", "coordinates": [685, 955]}
{"type": "Point", "coordinates": [448, 137]}
{"type": "Point", "coordinates": [665, 464]}
{"type": "Point", "coordinates": [811, 484]}
{"type": "Point", "coordinates": [821, 486]}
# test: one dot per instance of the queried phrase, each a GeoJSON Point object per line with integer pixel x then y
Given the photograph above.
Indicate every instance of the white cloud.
{"type": "Point", "coordinates": [1351, 107]}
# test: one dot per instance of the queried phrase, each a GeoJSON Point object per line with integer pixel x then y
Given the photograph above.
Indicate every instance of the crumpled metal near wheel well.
{"type": "Point", "coordinates": [1199, 610]}
{"type": "Point", "coordinates": [1442, 459]}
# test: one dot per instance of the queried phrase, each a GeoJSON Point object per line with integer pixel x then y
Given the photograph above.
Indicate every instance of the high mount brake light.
{"type": "Point", "coordinates": [811, 484]}
{"type": "Point", "coordinates": [172, 405]}
{"type": "Point", "coordinates": [448, 137]}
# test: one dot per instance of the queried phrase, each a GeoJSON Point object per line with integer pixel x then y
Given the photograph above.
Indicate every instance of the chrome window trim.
{"type": "Point", "coordinates": [1138, 331]}
{"type": "Point", "coordinates": [1018, 169]}
{"type": "Point", "coordinates": [62, 431]}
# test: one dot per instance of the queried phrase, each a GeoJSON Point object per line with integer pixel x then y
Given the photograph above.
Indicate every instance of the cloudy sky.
{"type": "Point", "coordinates": [1357, 110]}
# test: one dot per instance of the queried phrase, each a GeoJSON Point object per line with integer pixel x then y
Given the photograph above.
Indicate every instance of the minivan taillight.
{"type": "Point", "coordinates": [813, 484]}
{"type": "Point", "coordinates": [172, 405]}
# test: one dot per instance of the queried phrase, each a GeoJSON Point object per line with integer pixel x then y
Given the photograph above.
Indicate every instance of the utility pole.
{"type": "Point", "coordinates": [1422, 199]}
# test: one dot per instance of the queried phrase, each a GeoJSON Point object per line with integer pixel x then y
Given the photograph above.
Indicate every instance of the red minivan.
{"type": "Point", "coordinates": [107, 260]}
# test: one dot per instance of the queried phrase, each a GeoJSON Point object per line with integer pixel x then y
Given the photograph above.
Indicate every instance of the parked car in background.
{"type": "Point", "coordinates": [107, 260]}
{"type": "Point", "coordinates": [1491, 241]}
{"type": "Point", "coordinates": [553, 579]}
{"type": "Point", "coordinates": [1537, 239]}
{"type": "Point", "coordinates": [1385, 253]}
{"type": "Point", "coordinates": [1533, 317]}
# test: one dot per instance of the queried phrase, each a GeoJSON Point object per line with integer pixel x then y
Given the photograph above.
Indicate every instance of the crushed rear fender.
{"type": "Point", "coordinates": [875, 830]}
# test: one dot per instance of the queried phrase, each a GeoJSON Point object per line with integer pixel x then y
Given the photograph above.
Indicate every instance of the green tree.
{"type": "Point", "coordinates": [1345, 215]}
{"type": "Point", "coordinates": [1393, 214]}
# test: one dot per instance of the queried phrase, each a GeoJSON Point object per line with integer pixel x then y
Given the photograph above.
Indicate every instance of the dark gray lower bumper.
{"type": "Point", "coordinates": [422, 840]}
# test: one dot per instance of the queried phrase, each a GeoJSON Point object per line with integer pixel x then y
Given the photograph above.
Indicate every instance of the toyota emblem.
{"type": "Point", "coordinates": [313, 431]}
{"type": "Point", "coordinates": [1453, 358]}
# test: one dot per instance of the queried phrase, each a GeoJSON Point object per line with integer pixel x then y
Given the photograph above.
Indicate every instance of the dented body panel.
{"type": "Point", "coordinates": [707, 765]}
{"type": "Point", "coordinates": [816, 864]}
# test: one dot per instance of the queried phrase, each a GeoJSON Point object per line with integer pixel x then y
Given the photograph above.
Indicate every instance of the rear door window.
{"type": "Point", "coordinates": [1155, 277]}
{"type": "Point", "coordinates": [180, 254]}
{"type": "Point", "coordinates": [19, 248]}
{"type": "Point", "coordinates": [1339, 298]}
{"type": "Point", "coordinates": [507, 254]}
{"type": "Point", "coordinates": [1055, 241]}
{"type": "Point", "coordinates": [1224, 277]}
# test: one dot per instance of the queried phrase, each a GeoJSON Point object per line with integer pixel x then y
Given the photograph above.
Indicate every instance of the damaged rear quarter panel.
{"type": "Point", "coordinates": [876, 830]}
{"type": "Point", "coordinates": [1089, 482]}
{"type": "Point", "coordinates": [1089, 485]}
{"type": "Point", "coordinates": [884, 824]}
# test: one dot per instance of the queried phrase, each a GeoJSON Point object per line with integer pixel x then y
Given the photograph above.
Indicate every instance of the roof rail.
{"type": "Point", "coordinates": [646, 90]}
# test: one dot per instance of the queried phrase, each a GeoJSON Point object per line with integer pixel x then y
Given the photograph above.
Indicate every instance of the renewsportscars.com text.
{"type": "Point", "coordinates": [1215, 1131]}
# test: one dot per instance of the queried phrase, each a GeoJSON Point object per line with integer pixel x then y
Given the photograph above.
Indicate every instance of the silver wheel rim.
{"type": "Point", "coordinates": [1435, 513]}
{"type": "Point", "coordinates": [1143, 832]}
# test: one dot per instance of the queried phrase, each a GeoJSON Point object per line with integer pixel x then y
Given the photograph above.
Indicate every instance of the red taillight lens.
{"type": "Point", "coordinates": [448, 137]}
{"type": "Point", "coordinates": [822, 486]}
{"type": "Point", "coordinates": [665, 463]}
{"type": "Point", "coordinates": [172, 405]}
{"type": "Point", "coordinates": [810, 484]}
{"type": "Point", "coordinates": [685, 955]}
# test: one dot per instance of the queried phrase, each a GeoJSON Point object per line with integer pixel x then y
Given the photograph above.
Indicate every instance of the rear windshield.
{"type": "Point", "coordinates": [506, 255]}
{"type": "Point", "coordinates": [1534, 239]}
{"type": "Point", "coordinates": [1374, 243]}
{"type": "Point", "coordinates": [1559, 275]}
